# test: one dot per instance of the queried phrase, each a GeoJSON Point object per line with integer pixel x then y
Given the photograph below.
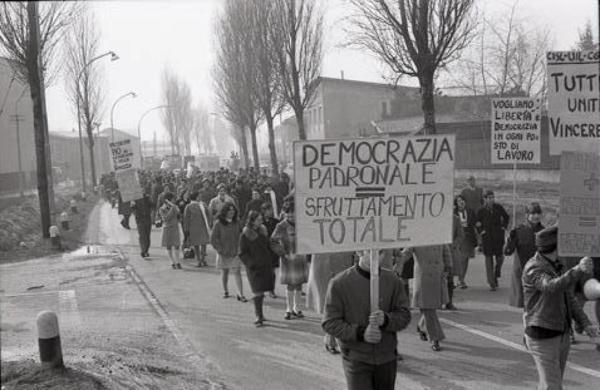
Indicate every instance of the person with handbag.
{"type": "Point", "coordinates": [294, 267]}
{"type": "Point", "coordinates": [196, 227]}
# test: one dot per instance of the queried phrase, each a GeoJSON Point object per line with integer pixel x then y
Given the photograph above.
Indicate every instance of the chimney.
{"type": "Point", "coordinates": [342, 74]}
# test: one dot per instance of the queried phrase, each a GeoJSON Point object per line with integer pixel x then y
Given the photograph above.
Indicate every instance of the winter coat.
{"type": "Point", "coordinates": [548, 295]}
{"type": "Point", "coordinates": [225, 238]}
{"type": "Point", "coordinates": [473, 198]}
{"type": "Point", "coordinates": [170, 233]}
{"type": "Point", "coordinates": [257, 256]}
{"type": "Point", "coordinates": [196, 225]}
{"type": "Point", "coordinates": [323, 268]}
{"type": "Point", "coordinates": [491, 224]}
{"type": "Point", "coordinates": [520, 244]}
{"type": "Point", "coordinates": [124, 208]}
{"type": "Point", "coordinates": [143, 211]}
{"type": "Point", "coordinates": [294, 267]}
{"type": "Point", "coordinates": [430, 286]}
{"type": "Point", "coordinates": [457, 241]}
{"type": "Point", "coordinates": [467, 219]}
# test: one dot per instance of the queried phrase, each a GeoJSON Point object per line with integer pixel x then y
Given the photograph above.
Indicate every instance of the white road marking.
{"type": "Point", "coordinates": [518, 347]}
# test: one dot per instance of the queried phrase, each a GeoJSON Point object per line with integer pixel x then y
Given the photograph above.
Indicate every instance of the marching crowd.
{"type": "Point", "coordinates": [249, 220]}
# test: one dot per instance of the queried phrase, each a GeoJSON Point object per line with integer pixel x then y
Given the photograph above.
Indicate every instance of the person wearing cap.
{"type": "Point", "coordinates": [550, 307]}
{"type": "Point", "coordinates": [521, 244]}
{"type": "Point", "coordinates": [492, 221]}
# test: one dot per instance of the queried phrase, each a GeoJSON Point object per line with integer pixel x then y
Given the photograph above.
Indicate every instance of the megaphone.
{"type": "Point", "coordinates": [591, 289]}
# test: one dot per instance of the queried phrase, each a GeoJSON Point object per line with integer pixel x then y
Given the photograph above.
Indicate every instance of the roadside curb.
{"type": "Point", "coordinates": [200, 362]}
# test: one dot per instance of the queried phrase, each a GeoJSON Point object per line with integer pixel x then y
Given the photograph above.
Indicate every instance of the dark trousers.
{"type": "Point", "coordinates": [451, 287]}
{"type": "Point", "coordinates": [144, 230]}
{"type": "Point", "coordinates": [365, 376]}
{"type": "Point", "coordinates": [493, 270]}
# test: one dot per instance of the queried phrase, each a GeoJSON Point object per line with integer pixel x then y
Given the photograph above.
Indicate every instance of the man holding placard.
{"type": "Point", "coordinates": [367, 339]}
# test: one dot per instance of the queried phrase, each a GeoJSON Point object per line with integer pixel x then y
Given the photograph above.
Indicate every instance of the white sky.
{"type": "Point", "coordinates": [147, 35]}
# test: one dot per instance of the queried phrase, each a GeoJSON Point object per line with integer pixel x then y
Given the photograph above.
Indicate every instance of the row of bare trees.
{"type": "Point", "coordinates": [186, 123]}
{"type": "Point", "coordinates": [268, 58]}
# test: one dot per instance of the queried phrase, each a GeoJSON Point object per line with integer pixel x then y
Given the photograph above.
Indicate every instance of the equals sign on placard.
{"type": "Point", "coordinates": [587, 221]}
{"type": "Point", "coordinates": [365, 192]}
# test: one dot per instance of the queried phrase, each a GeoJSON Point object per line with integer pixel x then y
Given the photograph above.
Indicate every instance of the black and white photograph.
{"type": "Point", "coordinates": [300, 195]}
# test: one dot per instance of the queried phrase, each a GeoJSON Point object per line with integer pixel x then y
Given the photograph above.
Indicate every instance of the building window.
{"type": "Point", "coordinates": [384, 109]}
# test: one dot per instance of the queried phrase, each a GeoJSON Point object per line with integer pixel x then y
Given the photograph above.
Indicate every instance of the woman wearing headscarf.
{"type": "Point", "coordinates": [432, 266]}
{"type": "Point", "coordinates": [225, 239]}
{"type": "Point", "coordinates": [257, 257]}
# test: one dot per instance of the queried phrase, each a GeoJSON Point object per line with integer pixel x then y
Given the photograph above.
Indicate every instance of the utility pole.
{"type": "Point", "coordinates": [17, 119]}
{"type": "Point", "coordinates": [42, 145]}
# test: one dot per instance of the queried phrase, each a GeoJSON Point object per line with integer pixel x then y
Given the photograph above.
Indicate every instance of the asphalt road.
{"type": "Point", "coordinates": [216, 336]}
{"type": "Point", "coordinates": [483, 348]}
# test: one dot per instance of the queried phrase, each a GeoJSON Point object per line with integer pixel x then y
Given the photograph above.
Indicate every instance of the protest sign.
{"type": "Point", "coordinates": [373, 193]}
{"type": "Point", "coordinates": [124, 155]}
{"type": "Point", "coordinates": [129, 184]}
{"type": "Point", "coordinates": [574, 101]}
{"type": "Point", "coordinates": [516, 130]}
{"type": "Point", "coordinates": [579, 219]}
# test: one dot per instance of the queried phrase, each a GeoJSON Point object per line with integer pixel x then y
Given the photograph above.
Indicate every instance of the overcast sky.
{"type": "Point", "coordinates": [149, 35]}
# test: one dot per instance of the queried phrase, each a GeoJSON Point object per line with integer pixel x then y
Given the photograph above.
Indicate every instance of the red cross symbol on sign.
{"type": "Point", "coordinates": [592, 182]}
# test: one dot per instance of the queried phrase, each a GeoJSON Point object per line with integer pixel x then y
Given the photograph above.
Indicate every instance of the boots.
{"type": "Point", "coordinates": [258, 310]}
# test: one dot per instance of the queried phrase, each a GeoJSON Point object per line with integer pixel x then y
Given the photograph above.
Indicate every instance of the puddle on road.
{"type": "Point", "coordinates": [90, 251]}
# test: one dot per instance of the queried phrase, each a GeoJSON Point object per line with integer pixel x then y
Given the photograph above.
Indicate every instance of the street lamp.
{"type": "Point", "coordinates": [140, 132]}
{"type": "Point", "coordinates": [113, 57]}
{"type": "Point", "coordinates": [112, 110]}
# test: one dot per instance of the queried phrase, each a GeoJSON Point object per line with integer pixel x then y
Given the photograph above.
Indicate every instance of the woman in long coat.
{"type": "Point", "coordinates": [196, 227]}
{"type": "Point", "coordinates": [323, 268]}
{"type": "Point", "coordinates": [521, 244]}
{"type": "Point", "coordinates": [294, 267]}
{"type": "Point", "coordinates": [225, 238]}
{"type": "Point", "coordinates": [257, 256]}
{"type": "Point", "coordinates": [432, 265]}
{"type": "Point", "coordinates": [171, 240]}
{"type": "Point", "coordinates": [465, 250]}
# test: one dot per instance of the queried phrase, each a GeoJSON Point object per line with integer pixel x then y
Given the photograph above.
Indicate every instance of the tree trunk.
{"type": "Point", "coordinates": [299, 112]}
{"type": "Point", "coordinates": [244, 147]}
{"type": "Point", "coordinates": [254, 149]}
{"type": "Point", "coordinates": [91, 143]}
{"type": "Point", "coordinates": [35, 88]}
{"type": "Point", "coordinates": [272, 150]}
{"type": "Point", "coordinates": [427, 102]}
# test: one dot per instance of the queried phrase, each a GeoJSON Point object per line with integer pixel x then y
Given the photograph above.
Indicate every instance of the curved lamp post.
{"type": "Point", "coordinates": [112, 110]}
{"type": "Point", "coordinates": [140, 132]}
{"type": "Point", "coordinates": [113, 57]}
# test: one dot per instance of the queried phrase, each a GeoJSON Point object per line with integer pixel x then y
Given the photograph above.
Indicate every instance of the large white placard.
{"type": "Point", "coordinates": [124, 155]}
{"type": "Point", "coordinates": [579, 222]}
{"type": "Point", "coordinates": [373, 193]}
{"type": "Point", "coordinates": [574, 101]}
{"type": "Point", "coordinates": [516, 126]}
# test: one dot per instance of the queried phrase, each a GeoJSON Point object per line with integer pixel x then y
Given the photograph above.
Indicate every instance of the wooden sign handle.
{"type": "Point", "coordinates": [374, 279]}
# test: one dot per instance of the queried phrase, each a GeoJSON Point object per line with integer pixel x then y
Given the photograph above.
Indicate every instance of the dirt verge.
{"type": "Point", "coordinates": [20, 233]}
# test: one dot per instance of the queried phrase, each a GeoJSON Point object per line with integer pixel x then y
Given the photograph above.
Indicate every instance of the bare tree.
{"type": "Point", "coordinates": [201, 130]}
{"type": "Point", "coordinates": [586, 38]}
{"type": "Point", "coordinates": [414, 38]}
{"type": "Point", "coordinates": [179, 119]}
{"type": "Point", "coordinates": [83, 78]}
{"type": "Point", "coordinates": [297, 33]}
{"type": "Point", "coordinates": [268, 86]}
{"type": "Point", "coordinates": [234, 72]}
{"type": "Point", "coordinates": [510, 60]}
{"type": "Point", "coordinates": [29, 34]}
